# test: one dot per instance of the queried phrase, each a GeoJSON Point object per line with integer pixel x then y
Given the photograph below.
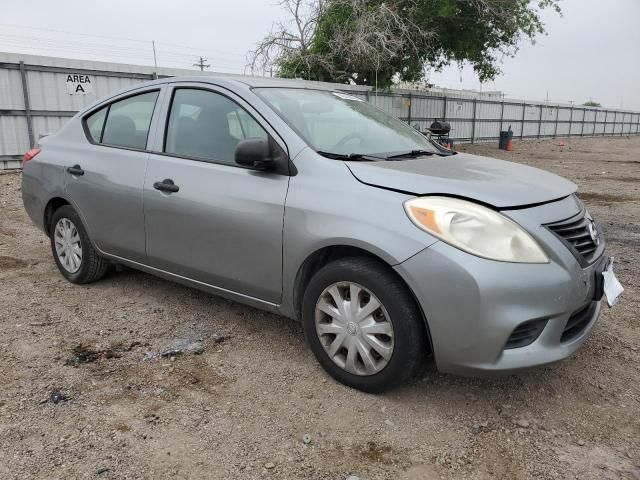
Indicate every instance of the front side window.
{"type": "Point", "coordinates": [127, 121]}
{"type": "Point", "coordinates": [338, 123]}
{"type": "Point", "coordinates": [208, 126]}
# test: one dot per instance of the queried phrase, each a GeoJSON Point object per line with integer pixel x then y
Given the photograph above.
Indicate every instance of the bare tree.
{"type": "Point", "coordinates": [376, 35]}
{"type": "Point", "coordinates": [372, 37]}
{"type": "Point", "coordinates": [290, 38]}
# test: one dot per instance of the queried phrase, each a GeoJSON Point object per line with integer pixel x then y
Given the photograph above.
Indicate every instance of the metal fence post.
{"type": "Point", "coordinates": [409, 109]}
{"type": "Point", "coordinates": [501, 115]}
{"type": "Point", "coordinates": [555, 130]}
{"type": "Point", "coordinates": [444, 108]}
{"type": "Point", "coordinates": [27, 104]}
{"type": "Point", "coordinates": [473, 122]}
{"type": "Point", "coordinates": [540, 121]}
{"type": "Point", "coordinates": [570, 121]}
{"type": "Point", "coordinates": [606, 118]}
{"type": "Point", "coordinates": [584, 116]}
{"type": "Point", "coordinates": [595, 118]}
{"type": "Point", "coordinates": [524, 109]}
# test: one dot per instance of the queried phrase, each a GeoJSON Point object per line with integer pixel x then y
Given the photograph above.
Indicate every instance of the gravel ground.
{"type": "Point", "coordinates": [86, 393]}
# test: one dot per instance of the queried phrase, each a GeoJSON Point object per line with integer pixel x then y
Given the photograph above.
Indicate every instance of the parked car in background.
{"type": "Point", "coordinates": [316, 205]}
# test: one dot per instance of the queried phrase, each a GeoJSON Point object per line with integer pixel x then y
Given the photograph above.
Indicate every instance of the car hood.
{"type": "Point", "coordinates": [495, 182]}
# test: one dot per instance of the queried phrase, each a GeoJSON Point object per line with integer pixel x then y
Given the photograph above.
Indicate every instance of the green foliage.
{"type": "Point", "coordinates": [431, 34]}
{"type": "Point", "coordinates": [591, 103]}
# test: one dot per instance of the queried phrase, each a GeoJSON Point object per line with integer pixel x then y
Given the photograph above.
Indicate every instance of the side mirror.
{"type": "Point", "coordinates": [255, 153]}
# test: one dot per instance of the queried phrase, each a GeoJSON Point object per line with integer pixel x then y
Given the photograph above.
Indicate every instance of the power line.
{"type": "Point", "coordinates": [29, 27]}
{"type": "Point", "coordinates": [18, 40]}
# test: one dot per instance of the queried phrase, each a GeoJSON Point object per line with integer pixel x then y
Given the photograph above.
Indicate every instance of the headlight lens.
{"type": "Point", "coordinates": [475, 229]}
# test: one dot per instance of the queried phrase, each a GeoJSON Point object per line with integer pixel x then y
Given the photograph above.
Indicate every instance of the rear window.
{"type": "Point", "coordinates": [124, 123]}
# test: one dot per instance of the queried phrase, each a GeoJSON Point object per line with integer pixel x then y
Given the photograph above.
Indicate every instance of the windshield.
{"type": "Point", "coordinates": [341, 124]}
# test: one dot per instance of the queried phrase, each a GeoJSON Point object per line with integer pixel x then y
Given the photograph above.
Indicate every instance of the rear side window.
{"type": "Point", "coordinates": [95, 124]}
{"type": "Point", "coordinates": [125, 123]}
{"type": "Point", "coordinates": [208, 126]}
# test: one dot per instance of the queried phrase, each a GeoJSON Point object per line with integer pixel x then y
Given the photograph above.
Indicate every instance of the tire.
{"type": "Point", "coordinates": [91, 266]}
{"type": "Point", "coordinates": [406, 340]}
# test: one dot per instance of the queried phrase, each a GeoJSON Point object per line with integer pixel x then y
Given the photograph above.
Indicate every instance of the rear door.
{"type": "Point", "coordinates": [104, 177]}
{"type": "Point", "coordinates": [222, 223]}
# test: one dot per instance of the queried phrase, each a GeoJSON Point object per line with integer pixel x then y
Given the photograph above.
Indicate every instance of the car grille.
{"type": "Point", "coordinates": [576, 235]}
{"type": "Point", "coordinates": [526, 333]}
{"type": "Point", "coordinates": [578, 322]}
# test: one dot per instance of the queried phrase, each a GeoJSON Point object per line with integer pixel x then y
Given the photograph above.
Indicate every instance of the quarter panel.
{"type": "Point", "coordinates": [42, 180]}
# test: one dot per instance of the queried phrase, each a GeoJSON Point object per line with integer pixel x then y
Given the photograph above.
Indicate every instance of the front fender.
{"type": "Point", "coordinates": [326, 206]}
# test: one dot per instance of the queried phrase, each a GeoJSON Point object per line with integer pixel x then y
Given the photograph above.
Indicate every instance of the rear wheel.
{"type": "Point", "coordinates": [72, 250]}
{"type": "Point", "coordinates": [363, 324]}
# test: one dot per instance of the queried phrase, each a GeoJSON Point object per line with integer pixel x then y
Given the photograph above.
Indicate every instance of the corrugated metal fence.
{"type": "Point", "coordinates": [35, 100]}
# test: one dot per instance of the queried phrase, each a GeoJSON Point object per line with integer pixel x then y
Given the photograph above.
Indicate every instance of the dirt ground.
{"type": "Point", "coordinates": [85, 393]}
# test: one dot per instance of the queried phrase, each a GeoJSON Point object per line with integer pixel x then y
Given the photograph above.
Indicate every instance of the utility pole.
{"type": "Point", "coordinates": [155, 59]}
{"type": "Point", "coordinates": [202, 64]}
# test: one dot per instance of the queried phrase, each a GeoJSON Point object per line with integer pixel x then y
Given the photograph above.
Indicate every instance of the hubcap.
{"type": "Point", "coordinates": [68, 246]}
{"type": "Point", "coordinates": [354, 328]}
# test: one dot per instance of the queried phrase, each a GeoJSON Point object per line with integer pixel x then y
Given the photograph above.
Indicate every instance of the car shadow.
{"type": "Point", "coordinates": [285, 338]}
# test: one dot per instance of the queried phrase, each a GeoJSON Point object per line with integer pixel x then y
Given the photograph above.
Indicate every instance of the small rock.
{"type": "Point", "coordinates": [522, 423]}
{"type": "Point", "coordinates": [184, 347]}
{"type": "Point", "coordinates": [478, 427]}
{"type": "Point", "coordinates": [269, 465]}
{"type": "Point", "coordinates": [389, 422]}
{"type": "Point", "coordinates": [581, 443]}
{"type": "Point", "coordinates": [306, 439]}
{"type": "Point", "coordinates": [56, 396]}
{"type": "Point", "coordinates": [353, 477]}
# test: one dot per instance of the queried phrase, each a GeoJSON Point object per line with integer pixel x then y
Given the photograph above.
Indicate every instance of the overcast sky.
{"type": "Point", "coordinates": [592, 51]}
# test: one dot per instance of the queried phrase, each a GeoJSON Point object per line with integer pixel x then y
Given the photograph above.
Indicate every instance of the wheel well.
{"type": "Point", "coordinates": [53, 205]}
{"type": "Point", "coordinates": [321, 257]}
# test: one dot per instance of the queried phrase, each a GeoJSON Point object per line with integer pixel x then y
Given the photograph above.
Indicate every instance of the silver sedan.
{"type": "Point", "coordinates": [314, 204]}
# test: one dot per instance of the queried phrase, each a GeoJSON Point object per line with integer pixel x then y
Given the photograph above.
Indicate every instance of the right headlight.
{"type": "Point", "coordinates": [475, 229]}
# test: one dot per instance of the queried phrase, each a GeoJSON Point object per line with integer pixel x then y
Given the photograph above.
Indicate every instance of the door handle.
{"type": "Point", "coordinates": [166, 185]}
{"type": "Point", "coordinates": [76, 170]}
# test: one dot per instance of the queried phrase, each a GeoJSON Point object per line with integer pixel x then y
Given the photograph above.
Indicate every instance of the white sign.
{"type": "Point", "coordinates": [78, 84]}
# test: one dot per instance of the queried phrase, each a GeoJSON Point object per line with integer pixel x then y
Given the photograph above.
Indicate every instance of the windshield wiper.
{"type": "Point", "coordinates": [351, 156]}
{"type": "Point", "coordinates": [411, 154]}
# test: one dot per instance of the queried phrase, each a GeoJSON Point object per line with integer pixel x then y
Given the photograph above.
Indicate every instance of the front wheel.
{"type": "Point", "coordinates": [72, 250]}
{"type": "Point", "coordinates": [363, 325]}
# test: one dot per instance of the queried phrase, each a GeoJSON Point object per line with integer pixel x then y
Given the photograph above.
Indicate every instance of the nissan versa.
{"type": "Point", "coordinates": [316, 205]}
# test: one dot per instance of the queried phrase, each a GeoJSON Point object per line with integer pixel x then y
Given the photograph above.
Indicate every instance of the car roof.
{"type": "Point", "coordinates": [254, 82]}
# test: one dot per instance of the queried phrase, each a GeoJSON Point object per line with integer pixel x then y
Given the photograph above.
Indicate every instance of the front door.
{"type": "Point", "coordinates": [105, 176]}
{"type": "Point", "coordinates": [207, 218]}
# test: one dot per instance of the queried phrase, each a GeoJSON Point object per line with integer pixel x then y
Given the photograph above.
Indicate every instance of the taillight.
{"type": "Point", "coordinates": [30, 154]}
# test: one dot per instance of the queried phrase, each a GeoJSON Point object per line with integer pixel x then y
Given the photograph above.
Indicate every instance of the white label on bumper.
{"type": "Point", "coordinates": [612, 287]}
